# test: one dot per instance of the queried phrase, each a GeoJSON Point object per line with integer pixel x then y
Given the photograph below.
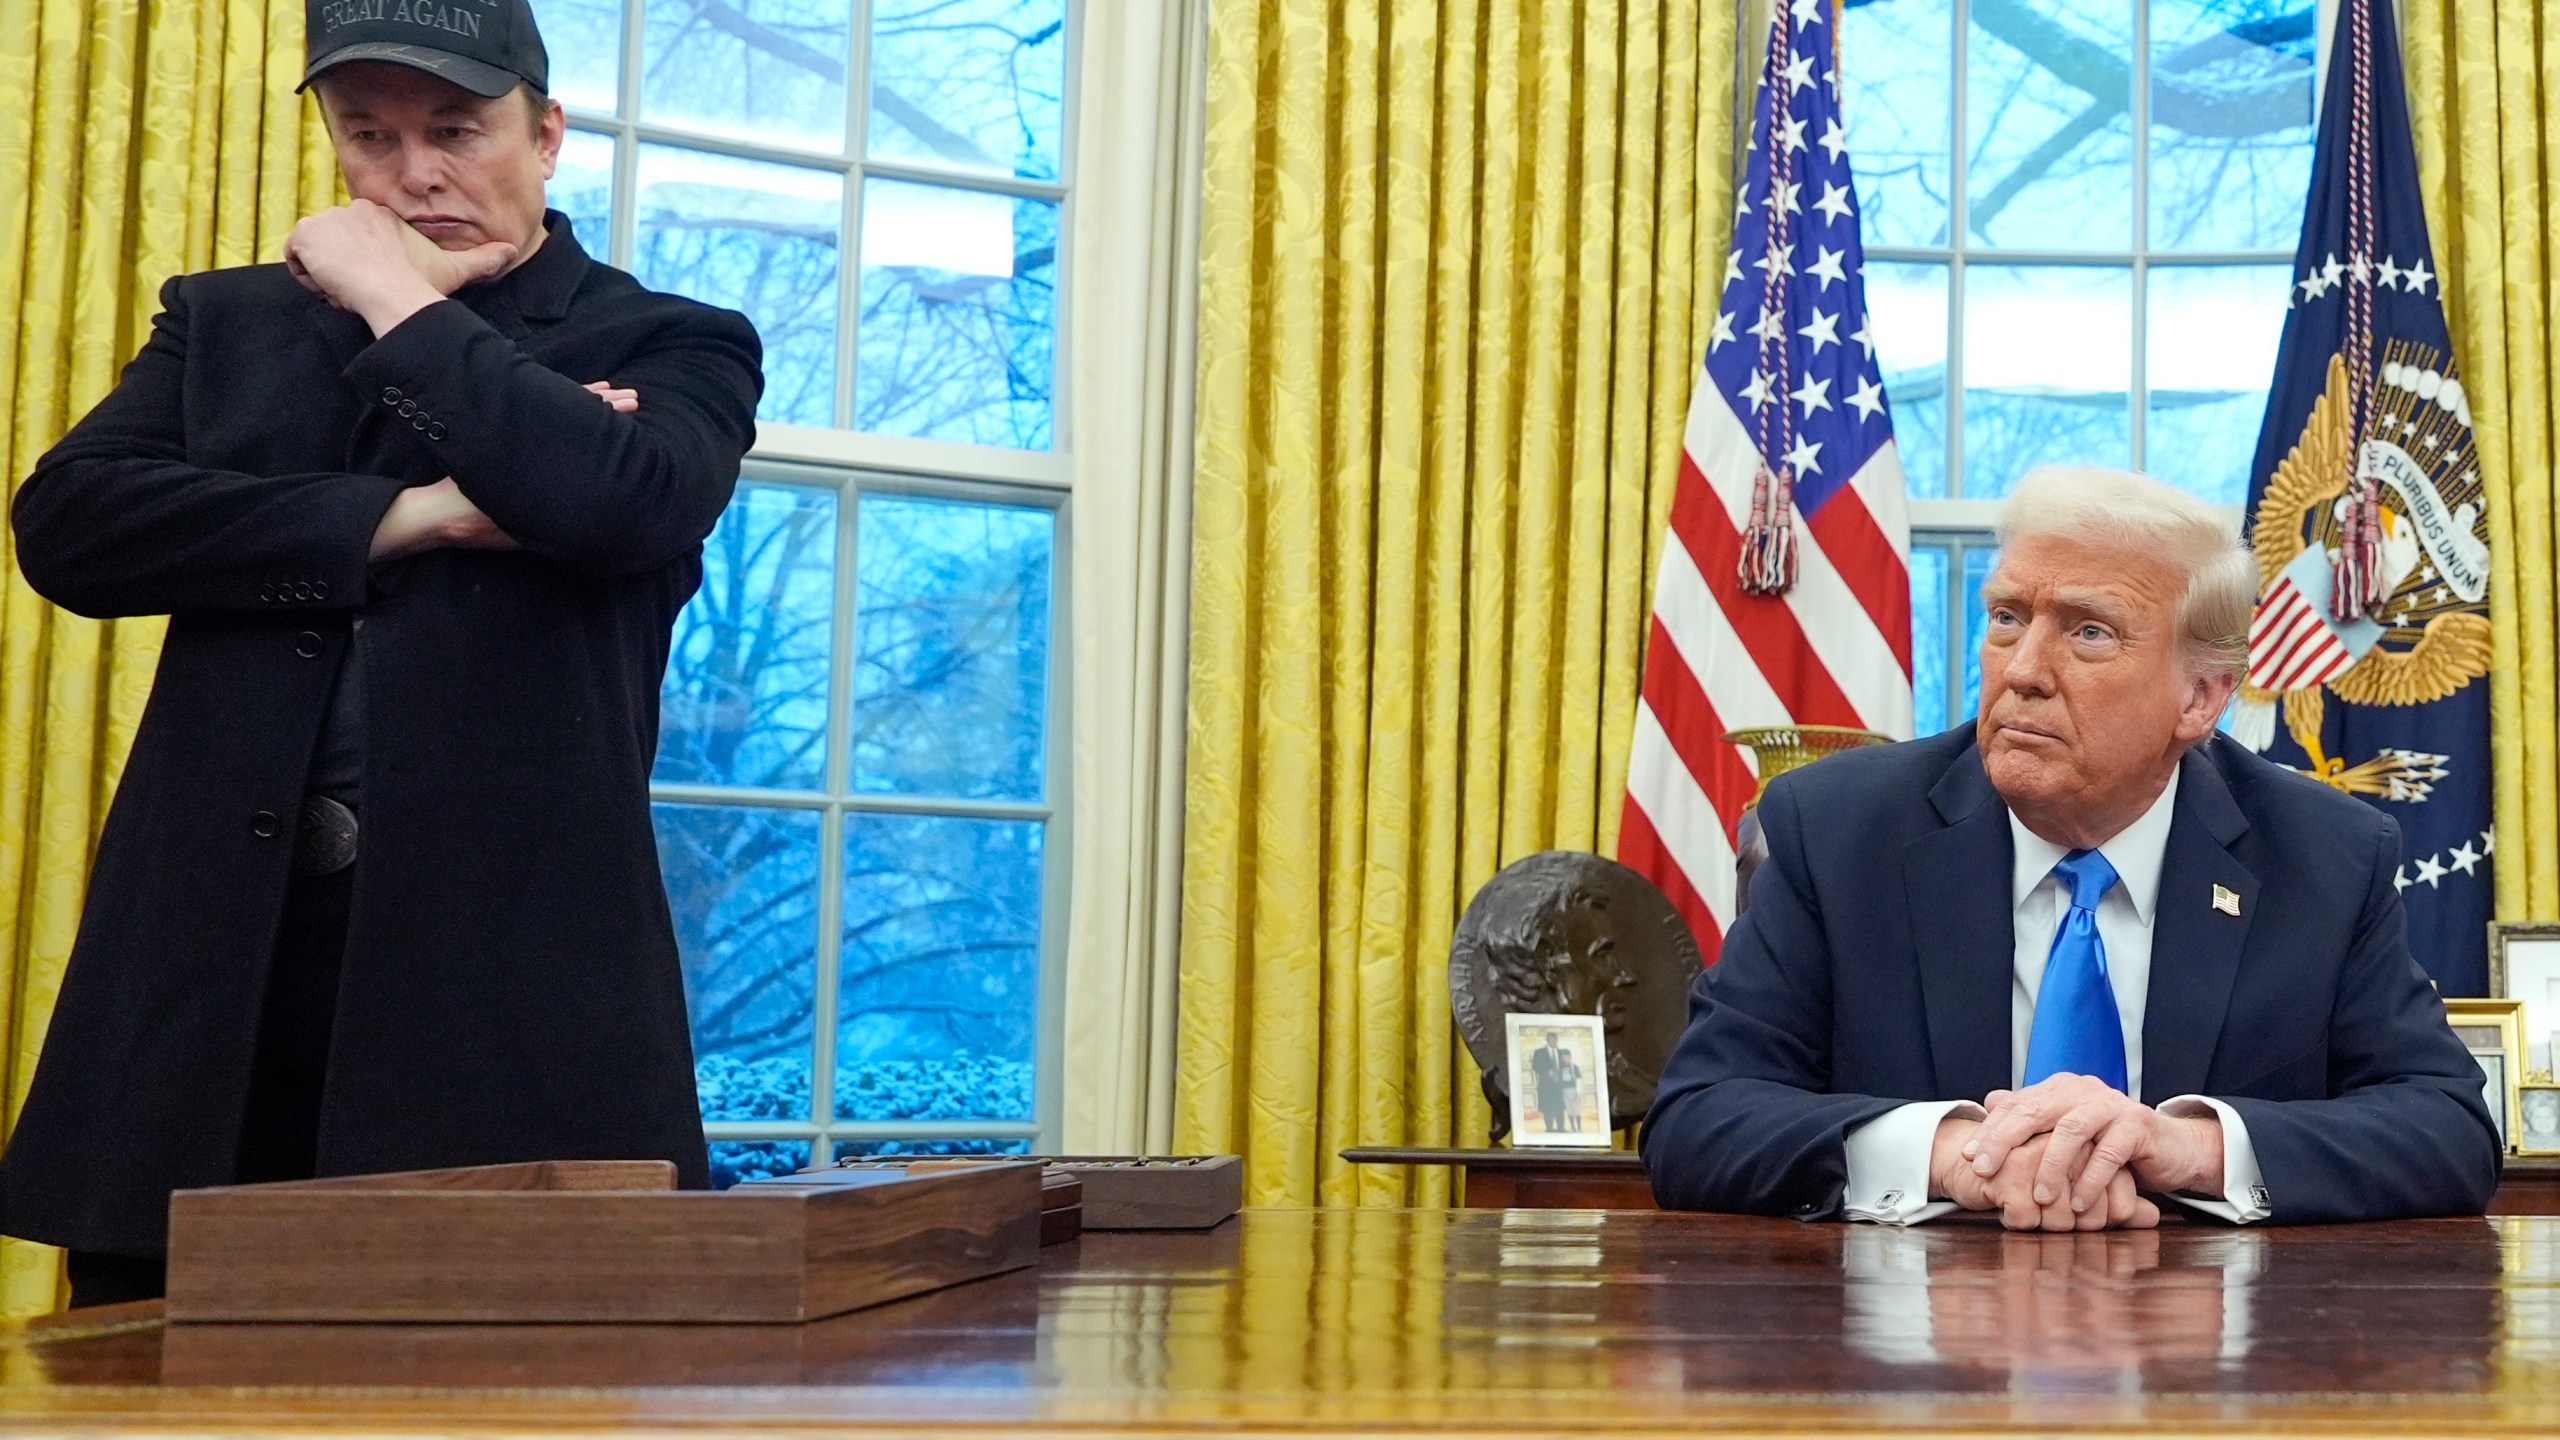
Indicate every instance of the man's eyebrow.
{"type": "Point", "coordinates": [2095, 603]}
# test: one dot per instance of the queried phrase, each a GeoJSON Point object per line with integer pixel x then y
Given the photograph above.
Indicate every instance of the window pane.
{"type": "Point", "coordinates": [757, 238]}
{"type": "Point", "coordinates": [951, 661]}
{"type": "Point", "coordinates": [1928, 637]}
{"type": "Point", "coordinates": [2048, 364]}
{"type": "Point", "coordinates": [736, 1160]}
{"type": "Point", "coordinates": [940, 993]}
{"type": "Point", "coordinates": [1979, 561]}
{"type": "Point", "coordinates": [2209, 344]}
{"type": "Point", "coordinates": [1898, 101]}
{"type": "Point", "coordinates": [584, 41]}
{"type": "Point", "coordinates": [958, 315]}
{"type": "Point", "coordinates": [745, 701]}
{"type": "Point", "coordinates": [582, 189]}
{"type": "Point", "coordinates": [1907, 315]}
{"type": "Point", "coordinates": [771, 71]}
{"type": "Point", "coordinates": [971, 84]}
{"type": "Point", "coordinates": [2230, 122]}
{"type": "Point", "coordinates": [2047, 91]}
{"type": "Point", "coordinates": [742, 886]}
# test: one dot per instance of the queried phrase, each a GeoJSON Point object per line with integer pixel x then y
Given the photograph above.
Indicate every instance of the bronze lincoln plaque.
{"type": "Point", "coordinates": [1564, 932]}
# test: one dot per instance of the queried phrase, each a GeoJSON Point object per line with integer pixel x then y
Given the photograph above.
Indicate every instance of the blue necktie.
{"type": "Point", "coordinates": [2077, 1028]}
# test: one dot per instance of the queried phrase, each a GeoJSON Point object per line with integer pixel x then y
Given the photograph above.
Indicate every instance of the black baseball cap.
{"type": "Point", "coordinates": [487, 47]}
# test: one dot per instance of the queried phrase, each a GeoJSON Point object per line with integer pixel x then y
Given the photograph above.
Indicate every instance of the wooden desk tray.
{"type": "Point", "coordinates": [1061, 1194]}
{"type": "Point", "coordinates": [588, 1241]}
{"type": "Point", "coordinates": [1121, 1192]}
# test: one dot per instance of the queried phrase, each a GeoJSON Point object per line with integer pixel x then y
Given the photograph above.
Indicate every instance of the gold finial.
{"type": "Point", "coordinates": [1781, 748]}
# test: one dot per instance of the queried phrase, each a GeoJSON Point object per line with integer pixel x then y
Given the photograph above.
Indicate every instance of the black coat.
{"type": "Point", "coordinates": [511, 988]}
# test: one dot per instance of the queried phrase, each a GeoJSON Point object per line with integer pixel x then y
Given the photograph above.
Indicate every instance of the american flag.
{"type": "Point", "coordinates": [1784, 596]}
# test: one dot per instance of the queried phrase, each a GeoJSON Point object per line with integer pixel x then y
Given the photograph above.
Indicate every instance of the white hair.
{"type": "Point", "coordinates": [2121, 508]}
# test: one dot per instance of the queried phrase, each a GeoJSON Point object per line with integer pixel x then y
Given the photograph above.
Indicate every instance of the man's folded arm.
{"type": "Point", "coordinates": [115, 520]}
{"type": "Point", "coordinates": [2407, 1133]}
{"type": "Point", "coordinates": [1740, 1122]}
{"type": "Point", "coordinates": [560, 473]}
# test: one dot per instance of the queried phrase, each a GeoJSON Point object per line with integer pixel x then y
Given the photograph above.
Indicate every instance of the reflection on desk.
{"type": "Point", "coordinates": [1595, 1321]}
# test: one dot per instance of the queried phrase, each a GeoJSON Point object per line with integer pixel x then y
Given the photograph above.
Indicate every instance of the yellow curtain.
{"type": "Point", "coordinates": [1456, 263]}
{"type": "Point", "coordinates": [2484, 99]}
{"type": "Point", "coordinates": [140, 141]}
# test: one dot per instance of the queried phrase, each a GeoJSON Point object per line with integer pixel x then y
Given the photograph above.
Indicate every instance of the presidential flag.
{"type": "Point", "coordinates": [1784, 596]}
{"type": "Point", "coordinates": [2372, 633]}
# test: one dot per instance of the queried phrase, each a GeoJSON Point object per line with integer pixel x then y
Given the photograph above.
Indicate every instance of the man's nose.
{"type": "Point", "coordinates": [421, 168]}
{"type": "Point", "coordinates": [2028, 667]}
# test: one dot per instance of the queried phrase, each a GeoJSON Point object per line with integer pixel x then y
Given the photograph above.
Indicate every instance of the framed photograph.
{"type": "Point", "coordinates": [1559, 1080]}
{"type": "Point", "coordinates": [2538, 1120]}
{"type": "Point", "coordinates": [2524, 965]}
{"type": "Point", "coordinates": [2493, 1031]}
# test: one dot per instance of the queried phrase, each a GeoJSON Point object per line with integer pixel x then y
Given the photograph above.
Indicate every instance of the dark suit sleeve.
{"type": "Point", "coordinates": [2406, 1132]}
{"type": "Point", "coordinates": [115, 521]}
{"type": "Point", "coordinates": [1741, 1121]}
{"type": "Point", "coordinates": [560, 471]}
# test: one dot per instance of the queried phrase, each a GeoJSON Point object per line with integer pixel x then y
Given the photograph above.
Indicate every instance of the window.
{"type": "Point", "coordinates": [2080, 220]}
{"type": "Point", "coordinates": [863, 725]}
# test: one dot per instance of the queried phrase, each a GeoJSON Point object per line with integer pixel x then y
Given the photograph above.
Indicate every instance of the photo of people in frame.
{"type": "Point", "coordinates": [1559, 1080]}
{"type": "Point", "coordinates": [2541, 1112]}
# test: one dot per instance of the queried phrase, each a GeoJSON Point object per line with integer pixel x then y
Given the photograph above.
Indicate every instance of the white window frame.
{"type": "Point", "coordinates": [1960, 522]}
{"type": "Point", "coordinates": [1957, 512]}
{"type": "Point", "coordinates": [853, 463]}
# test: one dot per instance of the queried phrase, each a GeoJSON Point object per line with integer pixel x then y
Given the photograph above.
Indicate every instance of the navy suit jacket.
{"type": "Point", "coordinates": [1873, 967]}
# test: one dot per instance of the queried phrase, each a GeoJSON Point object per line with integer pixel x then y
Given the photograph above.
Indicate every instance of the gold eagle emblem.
{"type": "Point", "coordinates": [2435, 640]}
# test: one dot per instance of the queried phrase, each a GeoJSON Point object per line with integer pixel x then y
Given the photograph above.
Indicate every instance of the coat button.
{"type": "Point", "coordinates": [390, 395]}
{"type": "Point", "coordinates": [319, 589]}
{"type": "Point", "coordinates": [408, 407]}
{"type": "Point", "coordinates": [301, 590]}
{"type": "Point", "coordinates": [435, 429]}
{"type": "Point", "coordinates": [307, 645]}
{"type": "Point", "coordinates": [265, 825]}
{"type": "Point", "coordinates": [418, 422]}
{"type": "Point", "coordinates": [267, 594]}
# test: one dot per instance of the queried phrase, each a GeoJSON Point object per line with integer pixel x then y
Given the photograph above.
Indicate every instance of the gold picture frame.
{"type": "Point", "coordinates": [2493, 1031]}
{"type": "Point", "coordinates": [2524, 964]}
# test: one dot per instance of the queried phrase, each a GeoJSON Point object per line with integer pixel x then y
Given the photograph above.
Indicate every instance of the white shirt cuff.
{"type": "Point", "coordinates": [1888, 1163]}
{"type": "Point", "coordinates": [2244, 1195]}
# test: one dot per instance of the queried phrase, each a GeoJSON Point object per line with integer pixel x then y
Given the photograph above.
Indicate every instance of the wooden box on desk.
{"type": "Point", "coordinates": [587, 1241]}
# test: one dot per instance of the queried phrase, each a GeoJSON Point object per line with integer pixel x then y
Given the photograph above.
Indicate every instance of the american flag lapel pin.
{"type": "Point", "coordinates": [2226, 900]}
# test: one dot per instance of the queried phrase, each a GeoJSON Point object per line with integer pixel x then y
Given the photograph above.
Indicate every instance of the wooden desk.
{"type": "Point", "coordinates": [1614, 1179]}
{"type": "Point", "coordinates": [1615, 1322]}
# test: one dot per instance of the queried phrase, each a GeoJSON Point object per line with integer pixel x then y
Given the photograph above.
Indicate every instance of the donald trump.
{"type": "Point", "coordinates": [2083, 957]}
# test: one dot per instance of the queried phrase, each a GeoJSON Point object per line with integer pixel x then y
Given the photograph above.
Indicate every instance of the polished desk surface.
{"type": "Point", "coordinates": [1345, 1321]}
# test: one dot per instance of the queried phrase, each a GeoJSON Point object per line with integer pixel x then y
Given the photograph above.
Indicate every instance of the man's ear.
{"type": "Point", "coordinates": [547, 139]}
{"type": "Point", "coordinates": [2207, 697]}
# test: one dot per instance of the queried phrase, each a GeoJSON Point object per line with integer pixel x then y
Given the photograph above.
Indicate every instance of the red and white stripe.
{"type": "Point", "coordinates": [2291, 646]}
{"type": "Point", "coordinates": [1834, 650]}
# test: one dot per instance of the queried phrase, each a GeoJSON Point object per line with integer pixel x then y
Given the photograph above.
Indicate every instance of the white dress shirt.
{"type": "Point", "coordinates": [1888, 1158]}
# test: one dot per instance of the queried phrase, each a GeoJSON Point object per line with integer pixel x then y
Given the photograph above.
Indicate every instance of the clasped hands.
{"type": "Point", "coordinates": [2073, 1153]}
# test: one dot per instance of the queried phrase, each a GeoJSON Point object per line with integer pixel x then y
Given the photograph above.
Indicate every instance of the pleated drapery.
{"type": "Point", "coordinates": [141, 141]}
{"type": "Point", "coordinates": [2484, 99]}
{"type": "Point", "coordinates": [1456, 262]}
{"type": "Point", "coordinates": [1137, 219]}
